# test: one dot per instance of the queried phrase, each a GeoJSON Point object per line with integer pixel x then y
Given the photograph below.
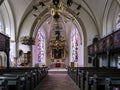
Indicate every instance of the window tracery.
{"type": "Point", "coordinates": [41, 47]}
{"type": "Point", "coordinates": [74, 46]}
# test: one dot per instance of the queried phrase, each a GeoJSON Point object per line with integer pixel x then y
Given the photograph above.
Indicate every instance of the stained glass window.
{"type": "Point", "coordinates": [74, 46]}
{"type": "Point", "coordinates": [118, 22]}
{"type": "Point", "coordinates": [41, 47]}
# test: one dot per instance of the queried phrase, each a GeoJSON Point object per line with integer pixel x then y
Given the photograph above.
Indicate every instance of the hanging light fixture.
{"type": "Point", "coordinates": [55, 7]}
{"type": "Point", "coordinates": [27, 40]}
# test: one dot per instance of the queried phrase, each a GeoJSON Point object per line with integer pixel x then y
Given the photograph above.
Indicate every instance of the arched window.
{"type": "Point", "coordinates": [41, 47]}
{"type": "Point", "coordinates": [1, 24]}
{"type": "Point", "coordinates": [118, 22]}
{"type": "Point", "coordinates": [74, 46]}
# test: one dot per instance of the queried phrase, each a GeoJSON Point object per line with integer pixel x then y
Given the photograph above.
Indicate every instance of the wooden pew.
{"type": "Point", "coordinates": [14, 83]}
{"type": "Point", "coordinates": [84, 77]}
{"type": "Point", "coordinates": [106, 81]}
{"type": "Point", "coordinates": [23, 78]}
{"type": "Point", "coordinates": [78, 74]}
{"type": "Point", "coordinates": [3, 84]}
{"type": "Point", "coordinates": [104, 73]}
{"type": "Point", "coordinates": [30, 80]}
{"type": "Point", "coordinates": [112, 83]}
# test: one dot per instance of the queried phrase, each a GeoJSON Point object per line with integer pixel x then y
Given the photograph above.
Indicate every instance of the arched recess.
{"type": "Point", "coordinates": [9, 27]}
{"type": "Point", "coordinates": [85, 27]}
{"type": "Point", "coordinates": [109, 19]}
{"type": "Point", "coordinates": [76, 24]}
{"type": "Point", "coordinates": [8, 20]}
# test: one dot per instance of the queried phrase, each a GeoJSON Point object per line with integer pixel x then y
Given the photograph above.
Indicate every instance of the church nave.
{"type": "Point", "coordinates": [57, 79]}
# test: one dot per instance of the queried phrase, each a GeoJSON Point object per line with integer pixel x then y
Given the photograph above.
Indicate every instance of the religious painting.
{"type": "Point", "coordinates": [90, 49]}
{"type": "Point", "coordinates": [57, 53]}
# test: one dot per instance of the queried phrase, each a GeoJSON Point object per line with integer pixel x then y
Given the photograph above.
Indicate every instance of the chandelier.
{"type": "Point", "coordinates": [55, 7]}
{"type": "Point", "coordinates": [27, 40]}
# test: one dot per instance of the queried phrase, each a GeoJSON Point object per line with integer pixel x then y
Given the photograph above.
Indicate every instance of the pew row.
{"type": "Point", "coordinates": [90, 78]}
{"type": "Point", "coordinates": [22, 78]}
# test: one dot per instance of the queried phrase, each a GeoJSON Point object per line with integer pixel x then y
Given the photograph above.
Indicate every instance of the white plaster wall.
{"type": "Point", "coordinates": [19, 8]}
{"type": "Point", "coordinates": [27, 25]}
{"type": "Point", "coordinates": [34, 58]}
{"type": "Point", "coordinates": [109, 17]}
{"type": "Point", "coordinates": [105, 15]}
{"type": "Point", "coordinates": [6, 19]}
{"type": "Point", "coordinates": [110, 21]}
{"type": "Point", "coordinates": [80, 56]}
{"type": "Point", "coordinates": [97, 8]}
{"type": "Point", "coordinates": [25, 31]}
{"type": "Point", "coordinates": [90, 27]}
{"type": "Point", "coordinates": [12, 51]}
{"type": "Point", "coordinates": [25, 48]}
{"type": "Point", "coordinates": [12, 26]}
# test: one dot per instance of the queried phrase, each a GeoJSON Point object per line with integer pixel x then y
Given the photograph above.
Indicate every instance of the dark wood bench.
{"type": "Point", "coordinates": [87, 81]}
{"type": "Point", "coordinates": [29, 77]}
{"type": "Point", "coordinates": [14, 83]}
{"type": "Point", "coordinates": [23, 78]}
{"type": "Point", "coordinates": [106, 81]}
{"type": "Point", "coordinates": [3, 84]}
{"type": "Point", "coordinates": [83, 76]}
{"type": "Point", "coordinates": [113, 83]}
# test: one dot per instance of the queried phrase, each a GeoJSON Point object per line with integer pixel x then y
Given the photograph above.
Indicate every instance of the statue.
{"type": "Point", "coordinates": [20, 59]}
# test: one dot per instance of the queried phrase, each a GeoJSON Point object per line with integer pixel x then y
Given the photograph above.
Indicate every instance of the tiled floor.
{"type": "Point", "coordinates": [57, 81]}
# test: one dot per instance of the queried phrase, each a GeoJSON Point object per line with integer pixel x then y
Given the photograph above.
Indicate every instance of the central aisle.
{"type": "Point", "coordinates": [57, 81]}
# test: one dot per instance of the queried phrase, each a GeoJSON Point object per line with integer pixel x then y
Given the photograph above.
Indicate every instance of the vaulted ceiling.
{"type": "Point", "coordinates": [96, 17]}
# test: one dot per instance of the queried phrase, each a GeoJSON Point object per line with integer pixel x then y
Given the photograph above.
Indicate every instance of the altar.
{"type": "Point", "coordinates": [57, 65]}
{"type": "Point", "coordinates": [57, 49]}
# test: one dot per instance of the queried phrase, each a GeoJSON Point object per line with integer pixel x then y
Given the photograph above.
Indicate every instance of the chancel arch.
{"type": "Point", "coordinates": [48, 30]}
